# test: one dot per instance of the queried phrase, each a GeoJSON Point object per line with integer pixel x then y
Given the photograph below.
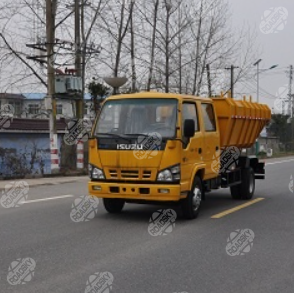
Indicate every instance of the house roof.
{"type": "Point", "coordinates": [40, 96]}
{"type": "Point", "coordinates": [34, 96]}
{"type": "Point", "coordinates": [11, 96]}
{"type": "Point", "coordinates": [33, 125]}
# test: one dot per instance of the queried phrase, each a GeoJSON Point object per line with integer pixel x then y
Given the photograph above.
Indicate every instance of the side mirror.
{"type": "Point", "coordinates": [189, 128]}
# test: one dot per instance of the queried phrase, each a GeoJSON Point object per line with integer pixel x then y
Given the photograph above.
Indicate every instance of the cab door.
{"type": "Point", "coordinates": [193, 147]}
{"type": "Point", "coordinates": [211, 151]}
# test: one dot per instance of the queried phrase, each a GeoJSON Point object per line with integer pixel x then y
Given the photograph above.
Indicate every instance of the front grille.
{"type": "Point", "coordinates": [136, 174]}
{"type": "Point", "coordinates": [113, 173]}
{"type": "Point", "coordinates": [146, 174]}
{"type": "Point", "coordinates": [128, 174]}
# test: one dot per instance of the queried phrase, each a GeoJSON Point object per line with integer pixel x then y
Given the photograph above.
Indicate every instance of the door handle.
{"type": "Point", "coordinates": [200, 150]}
{"type": "Point", "coordinates": [217, 148]}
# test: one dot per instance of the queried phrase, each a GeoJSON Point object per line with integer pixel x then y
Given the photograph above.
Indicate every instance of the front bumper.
{"type": "Point", "coordinates": [150, 192]}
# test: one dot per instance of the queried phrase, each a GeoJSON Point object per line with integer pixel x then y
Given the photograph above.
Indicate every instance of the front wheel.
{"type": "Point", "coordinates": [244, 190]}
{"type": "Point", "coordinates": [113, 205]}
{"type": "Point", "coordinates": [191, 204]}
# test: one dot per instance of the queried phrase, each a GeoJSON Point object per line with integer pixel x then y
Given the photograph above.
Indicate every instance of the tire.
{"type": "Point", "coordinates": [245, 190]}
{"type": "Point", "coordinates": [113, 205]}
{"type": "Point", "coordinates": [191, 204]}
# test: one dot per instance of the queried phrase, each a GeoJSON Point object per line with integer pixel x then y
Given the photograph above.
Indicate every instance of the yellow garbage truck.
{"type": "Point", "coordinates": [153, 147]}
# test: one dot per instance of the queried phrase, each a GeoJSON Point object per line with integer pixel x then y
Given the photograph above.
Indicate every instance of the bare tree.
{"type": "Point", "coordinates": [157, 44]}
{"type": "Point", "coordinates": [23, 22]}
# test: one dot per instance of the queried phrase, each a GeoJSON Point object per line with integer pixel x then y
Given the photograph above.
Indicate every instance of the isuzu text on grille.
{"type": "Point", "coordinates": [130, 146]}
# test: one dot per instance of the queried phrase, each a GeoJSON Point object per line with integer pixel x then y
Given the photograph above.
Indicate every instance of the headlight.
{"type": "Point", "coordinates": [96, 173]}
{"type": "Point", "coordinates": [176, 171]}
{"type": "Point", "coordinates": [165, 175]}
{"type": "Point", "coordinates": [170, 174]}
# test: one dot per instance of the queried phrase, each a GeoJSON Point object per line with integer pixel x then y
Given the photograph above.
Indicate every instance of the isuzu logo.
{"type": "Point", "coordinates": [130, 146]}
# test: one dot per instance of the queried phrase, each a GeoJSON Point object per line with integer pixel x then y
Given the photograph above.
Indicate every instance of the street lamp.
{"type": "Point", "coordinates": [274, 66]}
{"type": "Point", "coordinates": [257, 94]}
{"type": "Point", "coordinates": [168, 5]}
{"type": "Point", "coordinates": [115, 82]}
{"type": "Point", "coordinates": [257, 66]}
{"type": "Point", "coordinates": [258, 72]}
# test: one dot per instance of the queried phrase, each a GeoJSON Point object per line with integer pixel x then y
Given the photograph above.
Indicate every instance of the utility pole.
{"type": "Point", "coordinates": [48, 58]}
{"type": "Point", "coordinates": [77, 37]}
{"type": "Point", "coordinates": [232, 68]}
{"type": "Point", "coordinates": [51, 6]}
{"type": "Point", "coordinates": [78, 67]}
{"type": "Point", "coordinates": [208, 80]}
{"type": "Point", "coordinates": [78, 56]}
{"type": "Point", "coordinates": [257, 100]}
{"type": "Point", "coordinates": [291, 102]}
{"type": "Point", "coordinates": [290, 96]}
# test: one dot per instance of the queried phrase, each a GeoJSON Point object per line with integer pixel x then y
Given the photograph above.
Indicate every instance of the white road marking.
{"type": "Point", "coordinates": [279, 162]}
{"type": "Point", "coordinates": [48, 198]}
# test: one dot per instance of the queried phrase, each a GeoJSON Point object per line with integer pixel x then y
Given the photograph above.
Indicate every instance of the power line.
{"type": "Point", "coordinates": [266, 94]}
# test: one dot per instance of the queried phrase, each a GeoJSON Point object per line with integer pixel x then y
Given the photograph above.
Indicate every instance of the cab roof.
{"type": "Point", "coordinates": [156, 95]}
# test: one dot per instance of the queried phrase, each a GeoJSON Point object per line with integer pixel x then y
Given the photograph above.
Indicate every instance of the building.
{"type": "Point", "coordinates": [15, 100]}
{"type": "Point", "coordinates": [25, 147]}
{"type": "Point", "coordinates": [31, 106]}
{"type": "Point", "coordinates": [24, 134]}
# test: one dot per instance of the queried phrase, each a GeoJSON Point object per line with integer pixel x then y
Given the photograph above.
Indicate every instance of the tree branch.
{"type": "Point", "coordinates": [23, 60]}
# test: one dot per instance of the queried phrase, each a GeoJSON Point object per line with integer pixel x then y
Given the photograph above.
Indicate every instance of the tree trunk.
{"type": "Point", "coordinates": [133, 63]}
{"type": "Point", "coordinates": [197, 50]}
{"type": "Point", "coordinates": [153, 43]}
{"type": "Point", "coordinates": [167, 53]}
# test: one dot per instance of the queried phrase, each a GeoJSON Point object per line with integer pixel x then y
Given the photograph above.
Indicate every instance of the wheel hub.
{"type": "Point", "coordinates": [251, 183]}
{"type": "Point", "coordinates": [196, 200]}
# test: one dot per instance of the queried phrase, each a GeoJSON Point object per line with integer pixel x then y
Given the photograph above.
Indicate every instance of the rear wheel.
{"type": "Point", "coordinates": [113, 205]}
{"type": "Point", "coordinates": [191, 204]}
{"type": "Point", "coordinates": [246, 189]}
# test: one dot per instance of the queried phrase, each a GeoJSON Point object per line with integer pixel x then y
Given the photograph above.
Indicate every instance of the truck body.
{"type": "Point", "coordinates": [161, 147]}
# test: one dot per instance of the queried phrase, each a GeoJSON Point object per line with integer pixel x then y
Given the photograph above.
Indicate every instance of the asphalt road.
{"type": "Point", "coordinates": [192, 257]}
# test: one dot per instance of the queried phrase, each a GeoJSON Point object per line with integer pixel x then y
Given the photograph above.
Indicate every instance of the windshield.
{"type": "Point", "coordinates": [138, 116]}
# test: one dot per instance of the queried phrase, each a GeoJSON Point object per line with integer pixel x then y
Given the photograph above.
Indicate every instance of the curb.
{"type": "Point", "coordinates": [64, 175]}
{"type": "Point", "coordinates": [36, 184]}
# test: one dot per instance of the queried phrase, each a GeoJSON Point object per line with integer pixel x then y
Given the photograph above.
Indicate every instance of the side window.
{"type": "Point", "coordinates": [208, 117]}
{"type": "Point", "coordinates": [59, 109]}
{"type": "Point", "coordinates": [190, 112]}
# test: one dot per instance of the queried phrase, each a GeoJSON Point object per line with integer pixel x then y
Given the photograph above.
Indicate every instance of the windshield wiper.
{"type": "Point", "coordinates": [138, 134]}
{"type": "Point", "coordinates": [147, 135]}
{"type": "Point", "coordinates": [114, 135]}
{"type": "Point", "coordinates": [164, 139]}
